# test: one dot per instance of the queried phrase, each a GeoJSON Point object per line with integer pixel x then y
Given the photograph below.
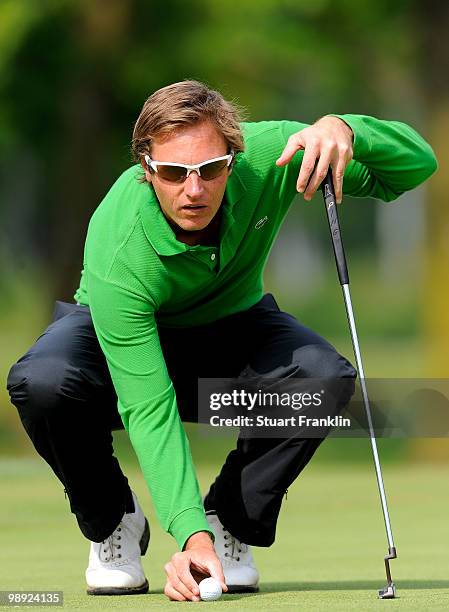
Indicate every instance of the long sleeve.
{"type": "Point", "coordinates": [126, 329]}
{"type": "Point", "coordinates": [390, 158]}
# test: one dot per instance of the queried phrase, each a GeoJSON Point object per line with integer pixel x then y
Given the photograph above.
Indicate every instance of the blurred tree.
{"type": "Point", "coordinates": [432, 21]}
{"type": "Point", "coordinates": [74, 74]}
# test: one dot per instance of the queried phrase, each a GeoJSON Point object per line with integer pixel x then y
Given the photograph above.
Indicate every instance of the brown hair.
{"type": "Point", "coordinates": [181, 104]}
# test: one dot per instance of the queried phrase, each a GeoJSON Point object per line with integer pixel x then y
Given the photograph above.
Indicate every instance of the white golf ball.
{"type": "Point", "coordinates": [210, 589]}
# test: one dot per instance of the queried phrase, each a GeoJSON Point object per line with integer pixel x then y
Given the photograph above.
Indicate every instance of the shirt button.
{"type": "Point", "coordinates": [213, 256]}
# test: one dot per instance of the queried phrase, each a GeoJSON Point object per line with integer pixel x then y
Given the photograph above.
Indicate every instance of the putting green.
{"type": "Point", "coordinates": [328, 554]}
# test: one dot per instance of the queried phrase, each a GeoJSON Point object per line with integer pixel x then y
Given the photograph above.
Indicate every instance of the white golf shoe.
{"type": "Point", "coordinates": [241, 574]}
{"type": "Point", "coordinates": [115, 567]}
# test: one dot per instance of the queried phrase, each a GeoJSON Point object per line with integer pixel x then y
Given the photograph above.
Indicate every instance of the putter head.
{"type": "Point", "coordinates": [389, 592]}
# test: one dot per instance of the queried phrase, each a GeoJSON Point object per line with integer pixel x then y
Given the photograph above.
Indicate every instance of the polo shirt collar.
{"type": "Point", "coordinates": [158, 231]}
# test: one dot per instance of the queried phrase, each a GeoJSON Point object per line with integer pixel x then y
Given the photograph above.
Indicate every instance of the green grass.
{"type": "Point", "coordinates": [328, 554]}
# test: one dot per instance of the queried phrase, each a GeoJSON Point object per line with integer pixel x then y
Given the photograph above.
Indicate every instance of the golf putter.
{"type": "Point", "coordinates": [327, 187]}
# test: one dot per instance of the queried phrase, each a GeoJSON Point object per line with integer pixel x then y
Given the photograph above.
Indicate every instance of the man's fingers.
{"type": "Point", "coordinates": [188, 580]}
{"type": "Point", "coordinates": [210, 567]}
{"type": "Point", "coordinates": [173, 594]}
{"type": "Point", "coordinates": [294, 143]}
{"type": "Point", "coordinates": [318, 175]}
{"type": "Point", "coordinates": [219, 577]}
{"type": "Point", "coordinates": [338, 172]}
{"type": "Point", "coordinates": [181, 580]}
{"type": "Point", "coordinates": [337, 175]}
{"type": "Point", "coordinates": [216, 571]}
{"type": "Point", "coordinates": [307, 165]}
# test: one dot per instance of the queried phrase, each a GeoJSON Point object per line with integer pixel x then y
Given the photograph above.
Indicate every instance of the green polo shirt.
{"type": "Point", "coordinates": [136, 275]}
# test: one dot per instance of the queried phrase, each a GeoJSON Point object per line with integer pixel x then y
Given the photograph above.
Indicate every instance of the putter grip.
{"type": "Point", "coordinates": [327, 187]}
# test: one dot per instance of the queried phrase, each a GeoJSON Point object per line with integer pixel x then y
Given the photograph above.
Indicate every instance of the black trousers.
{"type": "Point", "coordinates": [66, 401]}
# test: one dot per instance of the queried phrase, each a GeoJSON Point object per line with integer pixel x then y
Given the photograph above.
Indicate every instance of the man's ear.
{"type": "Point", "coordinates": [147, 173]}
{"type": "Point", "coordinates": [231, 167]}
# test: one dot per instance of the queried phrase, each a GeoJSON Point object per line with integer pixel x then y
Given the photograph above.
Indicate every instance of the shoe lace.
{"type": "Point", "coordinates": [235, 545]}
{"type": "Point", "coordinates": [111, 545]}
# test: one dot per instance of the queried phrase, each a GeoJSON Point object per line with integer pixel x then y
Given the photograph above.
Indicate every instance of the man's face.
{"type": "Point", "coordinates": [190, 205]}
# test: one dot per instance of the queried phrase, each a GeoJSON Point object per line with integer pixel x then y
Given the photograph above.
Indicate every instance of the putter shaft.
{"type": "Point", "coordinates": [358, 357]}
{"type": "Point", "coordinates": [334, 226]}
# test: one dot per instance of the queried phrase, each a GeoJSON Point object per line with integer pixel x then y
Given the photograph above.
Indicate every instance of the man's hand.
{"type": "Point", "coordinates": [186, 569]}
{"type": "Point", "coordinates": [328, 142]}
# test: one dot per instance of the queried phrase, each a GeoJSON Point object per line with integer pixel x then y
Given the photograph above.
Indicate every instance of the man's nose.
{"type": "Point", "coordinates": [193, 185]}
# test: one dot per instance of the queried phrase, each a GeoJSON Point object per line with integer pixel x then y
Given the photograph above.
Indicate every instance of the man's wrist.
{"type": "Point", "coordinates": [199, 539]}
{"type": "Point", "coordinates": [342, 121]}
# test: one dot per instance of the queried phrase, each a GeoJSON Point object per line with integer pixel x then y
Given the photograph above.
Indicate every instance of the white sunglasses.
{"type": "Point", "coordinates": [177, 173]}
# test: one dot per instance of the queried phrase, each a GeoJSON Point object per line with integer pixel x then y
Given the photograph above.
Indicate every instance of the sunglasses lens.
{"type": "Point", "coordinates": [174, 174]}
{"type": "Point", "coordinates": [177, 174]}
{"type": "Point", "coordinates": [212, 170]}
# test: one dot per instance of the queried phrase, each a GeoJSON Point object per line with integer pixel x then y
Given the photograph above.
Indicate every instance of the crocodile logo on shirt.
{"type": "Point", "coordinates": [261, 222]}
